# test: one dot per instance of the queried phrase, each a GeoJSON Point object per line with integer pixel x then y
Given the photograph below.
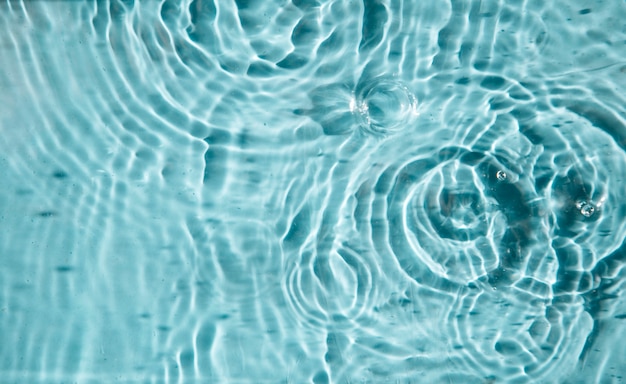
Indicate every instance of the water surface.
{"type": "Point", "coordinates": [312, 191]}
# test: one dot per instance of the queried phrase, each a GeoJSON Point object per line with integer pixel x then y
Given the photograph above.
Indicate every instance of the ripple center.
{"type": "Point", "coordinates": [385, 106]}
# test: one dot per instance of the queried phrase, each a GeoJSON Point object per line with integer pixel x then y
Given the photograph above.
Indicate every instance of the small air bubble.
{"type": "Point", "coordinates": [586, 209]}
{"type": "Point", "coordinates": [501, 175]}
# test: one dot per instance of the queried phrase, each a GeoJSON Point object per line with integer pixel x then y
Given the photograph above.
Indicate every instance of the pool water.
{"type": "Point", "coordinates": [313, 191]}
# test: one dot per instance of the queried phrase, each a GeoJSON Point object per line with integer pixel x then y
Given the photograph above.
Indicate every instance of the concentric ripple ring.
{"type": "Point", "coordinates": [453, 214]}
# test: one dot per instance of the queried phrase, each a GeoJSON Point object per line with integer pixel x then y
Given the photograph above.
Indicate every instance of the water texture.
{"type": "Point", "coordinates": [313, 191]}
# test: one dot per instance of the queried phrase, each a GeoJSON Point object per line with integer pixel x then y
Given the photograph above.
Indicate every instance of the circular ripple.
{"type": "Point", "coordinates": [336, 288]}
{"type": "Point", "coordinates": [581, 176]}
{"type": "Point", "coordinates": [459, 218]}
{"type": "Point", "coordinates": [516, 334]}
{"type": "Point", "coordinates": [452, 224]}
{"type": "Point", "coordinates": [384, 106]}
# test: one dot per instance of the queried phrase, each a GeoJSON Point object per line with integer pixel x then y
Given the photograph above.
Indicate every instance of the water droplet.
{"type": "Point", "coordinates": [501, 175]}
{"type": "Point", "coordinates": [586, 209]}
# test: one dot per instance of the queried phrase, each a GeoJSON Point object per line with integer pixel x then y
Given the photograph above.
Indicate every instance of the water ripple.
{"type": "Point", "coordinates": [453, 214]}
{"type": "Point", "coordinates": [516, 333]}
{"type": "Point", "coordinates": [312, 191]}
{"type": "Point", "coordinates": [384, 106]}
{"type": "Point", "coordinates": [335, 289]}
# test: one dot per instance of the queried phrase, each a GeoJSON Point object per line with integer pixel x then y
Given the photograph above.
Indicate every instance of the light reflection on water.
{"type": "Point", "coordinates": [312, 191]}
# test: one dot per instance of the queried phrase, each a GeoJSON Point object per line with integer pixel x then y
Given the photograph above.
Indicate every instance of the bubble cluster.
{"type": "Point", "coordinates": [586, 208]}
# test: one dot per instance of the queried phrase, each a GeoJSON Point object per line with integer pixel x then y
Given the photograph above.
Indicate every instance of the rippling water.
{"type": "Point", "coordinates": [313, 191]}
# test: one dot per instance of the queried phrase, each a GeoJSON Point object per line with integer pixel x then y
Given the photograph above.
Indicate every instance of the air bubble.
{"type": "Point", "coordinates": [501, 175]}
{"type": "Point", "coordinates": [586, 209]}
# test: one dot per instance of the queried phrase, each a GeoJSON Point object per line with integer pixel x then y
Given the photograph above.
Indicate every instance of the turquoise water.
{"type": "Point", "coordinates": [313, 191]}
